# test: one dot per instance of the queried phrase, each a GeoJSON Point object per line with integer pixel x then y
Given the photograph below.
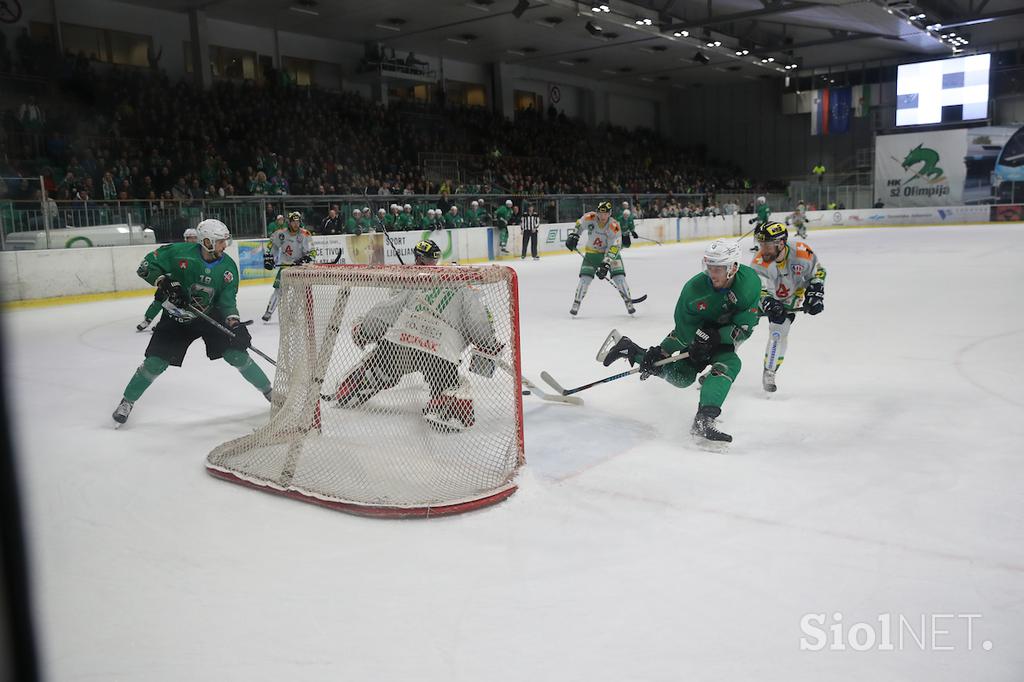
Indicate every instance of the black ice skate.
{"type": "Point", "coordinates": [704, 427]}
{"type": "Point", "coordinates": [575, 308]}
{"type": "Point", "coordinates": [142, 326]}
{"type": "Point", "coordinates": [121, 413]}
{"type": "Point", "coordinates": [267, 315]}
{"type": "Point", "coordinates": [768, 381]}
{"type": "Point", "coordinates": [623, 349]}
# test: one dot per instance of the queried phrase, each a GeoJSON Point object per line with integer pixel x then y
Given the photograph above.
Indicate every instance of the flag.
{"type": "Point", "coordinates": [819, 113]}
{"type": "Point", "coordinates": [839, 111]}
{"type": "Point", "coordinates": [864, 97]}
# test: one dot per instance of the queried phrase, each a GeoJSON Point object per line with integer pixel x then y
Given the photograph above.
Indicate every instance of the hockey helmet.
{"type": "Point", "coordinates": [722, 252]}
{"type": "Point", "coordinates": [212, 230]}
{"type": "Point", "coordinates": [771, 232]}
{"type": "Point", "coordinates": [190, 235]}
{"type": "Point", "coordinates": [762, 200]}
{"type": "Point", "coordinates": [604, 207]}
{"type": "Point", "coordinates": [427, 250]}
{"type": "Point", "coordinates": [295, 215]}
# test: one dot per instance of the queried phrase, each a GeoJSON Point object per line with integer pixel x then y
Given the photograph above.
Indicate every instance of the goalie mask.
{"type": "Point", "coordinates": [427, 253]}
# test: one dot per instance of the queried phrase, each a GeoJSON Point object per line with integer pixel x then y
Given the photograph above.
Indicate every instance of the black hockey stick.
{"type": "Point", "coordinates": [648, 239]}
{"type": "Point", "coordinates": [639, 299]}
{"type": "Point", "coordinates": [569, 391]}
{"type": "Point", "coordinates": [387, 235]}
{"type": "Point", "coordinates": [230, 333]}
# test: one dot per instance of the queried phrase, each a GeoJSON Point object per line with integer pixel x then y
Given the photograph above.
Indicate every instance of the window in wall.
{"type": "Point", "coordinates": [105, 45]}
{"type": "Point", "coordinates": [466, 94]}
{"type": "Point", "coordinates": [227, 62]}
{"type": "Point", "coordinates": [528, 101]}
{"type": "Point", "coordinates": [420, 94]}
{"type": "Point", "coordinates": [299, 71]}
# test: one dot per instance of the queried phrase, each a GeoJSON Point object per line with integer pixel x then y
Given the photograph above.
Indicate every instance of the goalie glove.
{"type": "Point", "coordinates": [483, 360]}
{"type": "Point", "coordinates": [268, 261]}
{"type": "Point", "coordinates": [572, 241]}
{"type": "Point", "coordinates": [602, 270]}
{"type": "Point", "coordinates": [170, 291]}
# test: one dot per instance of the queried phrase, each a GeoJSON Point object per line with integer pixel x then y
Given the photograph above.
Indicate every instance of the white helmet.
{"type": "Point", "coordinates": [508, 202]}
{"type": "Point", "coordinates": [356, 211]}
{"type": "Point", "coordinates": [723, 252]}
{"type": "Point", "coordinates": [454, 209]}
{"type": "Point", "coordinates": [474, 203]}
{"type": "Point", "coordinates": [407, 207]}
{"type": "Point", "coordinates": [430, 211]}
{"type": "Point", "coordinates": [213, 230]}
{"type": "Point", "coordinates": [395, 207]}
{"type": "Point", "coordinates": [381, 211]}
{"type": "Point", "coordinates": [626, 213]}
{"type": "Point", "coordinates": [190, 233]}
{"type": "Point", "coordinates": [625, 204]}
{"type": "Point", "coordinates": [761, 200]}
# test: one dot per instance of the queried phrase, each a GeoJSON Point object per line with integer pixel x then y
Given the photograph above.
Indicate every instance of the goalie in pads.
{"type": "Point", "coordinates": [426, 331]}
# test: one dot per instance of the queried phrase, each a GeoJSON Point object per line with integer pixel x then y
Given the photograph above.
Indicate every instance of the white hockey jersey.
{"type": "Point", "coordinates": [605, 238]}
{"type": "Point", "coordinates": [787, 278]}
{"type": "Point", "coordinates": [288, 247]}
{"type": "Point", "coordinates": [441, 321]}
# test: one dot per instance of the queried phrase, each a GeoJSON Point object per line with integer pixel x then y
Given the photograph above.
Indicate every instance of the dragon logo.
{"type": "Point", "coordinates": [929, 160]}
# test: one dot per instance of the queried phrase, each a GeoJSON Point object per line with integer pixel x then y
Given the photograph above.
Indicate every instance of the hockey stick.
{"type": "Point", "coordinates": [387, 235]}
{"type": "Point", "coordinates": [639, 299]}
{"type": "Point", "coordinates": [569, 391]}
{"type": "Point", "coordinates": [531, 388]}
{"type": "Point", "coordinates": [230, 333]}
{"type": "Point", "coordinates": [650, 240]}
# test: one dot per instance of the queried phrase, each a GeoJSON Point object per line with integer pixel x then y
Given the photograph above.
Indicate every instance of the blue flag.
{"type": "Point", "coordinates": [840, 101]}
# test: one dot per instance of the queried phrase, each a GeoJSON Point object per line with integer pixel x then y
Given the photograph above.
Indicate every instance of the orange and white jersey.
{"type": "Point", "coordinates": [288, 246]}
{"type": "Point", "coordinates": [788, 277]}
{"type": "Point", "coordinates": [605, 238]}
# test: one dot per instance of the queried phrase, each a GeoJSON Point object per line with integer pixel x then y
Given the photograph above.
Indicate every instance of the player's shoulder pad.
{"type": "Point", "coordinates": [758, 262]}
{"type": "Point", "coordinates": [589, 216]}
{"type": "Point", "coordinates": [305, 232]}
{"type": "Point", "coordinates": [614, 224]}
{"type": "Point", "coordinates": [804, 251]}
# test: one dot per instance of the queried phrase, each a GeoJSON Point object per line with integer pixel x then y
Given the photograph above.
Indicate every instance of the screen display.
{"type": "Point", "coordinates": [943, 91]}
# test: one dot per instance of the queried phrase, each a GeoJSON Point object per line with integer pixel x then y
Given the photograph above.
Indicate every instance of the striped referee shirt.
{"type": "Point", "coordinates": [531, 222]}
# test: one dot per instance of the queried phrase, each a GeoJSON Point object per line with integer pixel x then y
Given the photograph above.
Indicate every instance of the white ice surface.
{"type": "Point", "coordinates": [885, 476]}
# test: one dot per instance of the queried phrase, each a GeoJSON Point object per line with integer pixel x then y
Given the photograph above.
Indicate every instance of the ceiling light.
{"type": "Point", "coordinates": [718, 43]}
{"type": "Point", "coordinates": [771, 59]}
{"type": "Point", "coordinates": [388, 27]}
{"type": "Point", "coordinates": [709, 44]}
{"type": "Point", "coordinates": [305, 10]}
{"type": "Point", "coordinates": [681, 34]}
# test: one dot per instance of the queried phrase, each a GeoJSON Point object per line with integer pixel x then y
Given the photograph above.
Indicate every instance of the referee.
{"type": "Point", "coordinates": [531, 224]}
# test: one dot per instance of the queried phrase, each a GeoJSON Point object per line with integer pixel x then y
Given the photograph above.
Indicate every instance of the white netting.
{"type": "Point", "coordinates": [397, 387]}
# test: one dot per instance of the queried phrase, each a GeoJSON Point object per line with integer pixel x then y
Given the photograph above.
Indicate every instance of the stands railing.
{"type": "Point", "coordinates": [253, 217]}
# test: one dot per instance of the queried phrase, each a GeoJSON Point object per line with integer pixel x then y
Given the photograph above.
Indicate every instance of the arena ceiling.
{"type": "Point", "coordinates": [671, 42]}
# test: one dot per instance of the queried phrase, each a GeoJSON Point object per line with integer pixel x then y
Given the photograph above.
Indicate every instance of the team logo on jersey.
{"type": "Point", "coordinates": [797, 269]}
{"type": "Point", "coordinates": [228, 277]}
{"type": "Point", "coordinates": [183, 264]}
{"type": "Point", "coordinates": [702, 306]}
{"type": "Point", "coordinates": [782, 292]}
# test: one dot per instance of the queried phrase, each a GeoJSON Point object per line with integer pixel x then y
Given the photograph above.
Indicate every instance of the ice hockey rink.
{"type": "Point", "coordinates": [881, 485]}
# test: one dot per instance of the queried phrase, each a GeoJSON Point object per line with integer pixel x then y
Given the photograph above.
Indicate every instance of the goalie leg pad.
{"type": "Point", "coordinates": [364, 382]}
{"type": "Point", "coordinates": [449, 413]}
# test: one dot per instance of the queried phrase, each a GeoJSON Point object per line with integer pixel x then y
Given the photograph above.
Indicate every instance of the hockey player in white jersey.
{"type": "Point", "coordinates": [600, 255]}
{"type": "Point", "coordinates": [798, 219]}
{"type": "Point", "coordinates": [287, 246]}
{"type": "Point", "coordinates": [425, 331]}
{"type": "Point", "coordinates": [790, 273]}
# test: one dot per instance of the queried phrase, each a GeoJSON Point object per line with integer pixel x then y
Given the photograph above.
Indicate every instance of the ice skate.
{"type": "Point", "coordinates": [629, 307]}
{"type": "Point", "coordinates": [449, 414]}
{"type": "Point", "coordinates": [768, 381]}
{"type": "Point", "coordinates": [624, 349]}
{"type": "Point", "coordinates": [705, 430]}
{"type": "Point", "coordinates": [121, 413]}
{"type": "Point", "coordinates": [267, 315]}
{"type": "Point", "coordinates": [142, 326]}
{"type": "Point", "coordinates": [575, 308]}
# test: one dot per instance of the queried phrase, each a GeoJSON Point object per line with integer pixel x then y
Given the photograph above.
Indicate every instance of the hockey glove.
{"type": "Point", "coordinates": [814, 298]}
{"type": "Point", "coordinates": [602, 270]}
{"type": "Point", "coordinates": [169, 290]}
{"type": "Point", "coordinates": [703, 347]}
{"type": "Point", "coordinates": [572, 241]}
{"type": "Point", "coordinates": [751, 221]}
{"type": "Point", "coordinates": [482, 361]}
{"type": "Point", "coordinates": [268, 261]}
{"type": "Point", "coordinates": [648, 367]}
{"type": "Point", "coordinates": [308, 258]}
{"type": "Point", "coordinates": [773, 310]}
{"type": "Point", "coordinates": [242, 337]}
{"type": "Point", "coordinates": [627, 241]}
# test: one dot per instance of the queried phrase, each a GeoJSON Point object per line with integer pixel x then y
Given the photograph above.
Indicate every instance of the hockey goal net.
{"type": "Point", "coordinates": [397, 391]}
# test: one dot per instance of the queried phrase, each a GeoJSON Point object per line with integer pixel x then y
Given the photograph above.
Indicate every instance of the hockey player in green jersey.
{"type": "Point", "coordinates": [473, 218]}
{"type": "Point", "coordinates": [762, 210]}
{"type": "Point", "coordinates": [156, 306]}
{"type": "Point", "coordinates": [501, 218]}
{"type": "Point", "coordinates": [199, 275]}
{"type": "Point", "coordinates": [628, 225]}
{"type": "Point", "coordinates": [716, 312]}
